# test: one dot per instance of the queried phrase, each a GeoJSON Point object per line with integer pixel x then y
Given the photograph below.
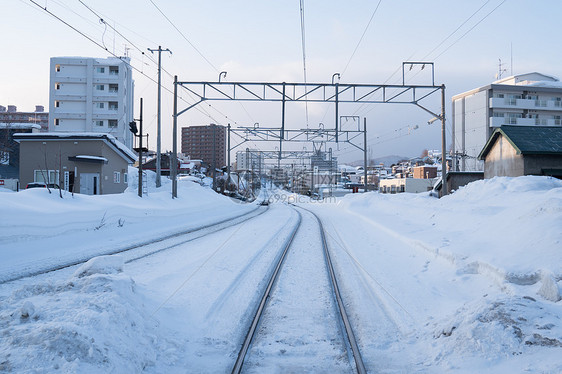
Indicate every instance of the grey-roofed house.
{"type": "Point", "coordinates": [514, 151]}
{"type": "Point", "coordinates": [86, 163]}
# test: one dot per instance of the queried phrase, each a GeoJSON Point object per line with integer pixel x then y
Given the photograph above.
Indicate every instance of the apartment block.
{"type": "Point", "coordinates": [91, 95]}
{"type": "Point", "coordinates": [250, 159]}
{"type": "Point", "coordinates": [206, 143]}
{"type": "Point", "coordinates": [532, 99]}
{"type": "Point", "coordinates": [10, 115]}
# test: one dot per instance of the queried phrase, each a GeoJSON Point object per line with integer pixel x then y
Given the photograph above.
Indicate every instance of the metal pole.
{"type": "Point", "coordinates": [365, 150]}
{"type": "Point", "coordinates": [159, 113]}
{"type": "Point", "coordinates": [173, 159]}
{"type": "Point", "coordinates": [140, 150]}
{"type": "Point", "coordinates": [282, 128]}
{"type": "Point", "coordinates": [337, 109]}
{"type": "Point", "coordinates": [443, 144]}
{"type": "Point", "coordinates": [228, 166]}
{"type": "Point", "coordinates": [214, 127]}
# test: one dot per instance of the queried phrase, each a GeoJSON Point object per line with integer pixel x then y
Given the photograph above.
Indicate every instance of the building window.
{"type": "Point", "coordinates": [116, 177]}
{"type": "Point", "coordinates": [46, 176]}
{"type": "Point", "coordinates": [57, 86]}
{"type": "Point", "coordinates": [125, 178]}
{"type": "Point", "coordinates": [57, 67]}
{"type": "Point", "coordinates": [113, 88]}
{"type": "Point", "coordinates": [100, 105]}
{"type": "Point", "coordinates": [113, 105]}
{"type": "Point", "coordinates": [100, 87]}
{"type": "Point", "coordinates": [100, 70]}
{"type": "Point", "coordinates": [114, 70]}
{"type": "Point", "coordinates": [112, 123]}
{"type": "Point", "coordinates": [57, 121]}
{"type": "Point", "coordinates": [98, 122]}
{"type": "Point", "coordinates": [57, 103]}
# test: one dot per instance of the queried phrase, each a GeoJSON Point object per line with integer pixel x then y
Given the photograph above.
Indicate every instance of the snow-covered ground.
{"type": "Point", "coordinates": [467, 283]}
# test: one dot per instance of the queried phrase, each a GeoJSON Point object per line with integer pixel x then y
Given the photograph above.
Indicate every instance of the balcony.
{"type": "Point", "coordinates": [496, 102]}
{"type": "Point", "coordinates": [499, 121]}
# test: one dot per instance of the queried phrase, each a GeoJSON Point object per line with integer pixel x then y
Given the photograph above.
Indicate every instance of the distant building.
{"type": "Point", "coordinates": [324, 161]}
{"type": "Point", "coordinates": [91, 95]}
{"type": "Point", "coordinates": [513, 151]}
{"type": "Point", "coordinates": [425, 172]}
{"type": "Point", "coordinates": [251, 159]}
{"type": "Point", "coordinates": [206, 143]}
{"type": "Point", "coordinates": [532, 99]}
{"type": "Point", "coordinates": [12, 116]}
{"type": "Point", "coordinates": [412, 185]}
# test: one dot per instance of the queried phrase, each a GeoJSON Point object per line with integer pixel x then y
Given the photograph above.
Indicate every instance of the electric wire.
{"type": "Point", "coordinates": [185, 37]}
{"type": "Point", "coordinates": [115, 55]}
{"type": "Point", "coordinates": [303, 39]}
{"type": "Point", "coordinates": [443, 41]}
{"type": "Point", "coordinates": [362, 36]}
{"type": "Point", "coordinates": [356, 48]}
{"type": "Point", "coordinates": [116, 31]}
{"type": "Point", "coordinates": [201, 54]}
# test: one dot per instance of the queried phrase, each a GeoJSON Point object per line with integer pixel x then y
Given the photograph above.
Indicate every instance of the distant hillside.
{"type": "Point", "coordinates": [386, 160]}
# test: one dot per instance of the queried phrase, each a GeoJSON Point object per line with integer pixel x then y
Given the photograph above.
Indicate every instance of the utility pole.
{"type": "Point", "coordinates": [365, 150]}
{"type": "Point", "coordinates": [140, 150]}
{"type": "Point", "coordinates": [228, 164]}
{"type": "Point", "coordinates": [443, 145]}
{"type": "Point", "coordinates": [173, 159]}
{"type": "Point", "coordinates": [214, 127]}
{"type": "Point", "coordinates": [158, 149]}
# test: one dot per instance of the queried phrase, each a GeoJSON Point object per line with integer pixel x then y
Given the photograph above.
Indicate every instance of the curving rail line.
{"type": "Point", "coordinates": [218, 226]}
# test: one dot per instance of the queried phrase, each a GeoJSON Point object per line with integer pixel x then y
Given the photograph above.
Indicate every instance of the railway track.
{"type": "Point", "coordinates": [145, 248]}
{"type": "Point", "coordinates": [261, 325]}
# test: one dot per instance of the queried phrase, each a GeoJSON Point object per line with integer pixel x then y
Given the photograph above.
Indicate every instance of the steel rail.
{"type": "Point", "coordinates": [135, 246]}
{"type": "Point", "coordinates": [259, 312]}
{"type": "Point", "coordinates": [359, 365]}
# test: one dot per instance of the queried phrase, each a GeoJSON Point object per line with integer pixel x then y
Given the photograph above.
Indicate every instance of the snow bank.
{"type": "Point", "coordinates": [499, 332]}
{"type": "Point", "coordinates": [505, 228]}
{"type": "Point", "coordinates": [95, 322]}
{"type": "Point", "coordinates": [43, 230]}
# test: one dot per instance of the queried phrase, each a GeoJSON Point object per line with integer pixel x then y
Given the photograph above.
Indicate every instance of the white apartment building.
{"type": "Point", "coordinates": [91, 95]}
{"type": "Point", "coordinates": [251, 159]}
{"type": "Point", "coordinates": [532, 99]}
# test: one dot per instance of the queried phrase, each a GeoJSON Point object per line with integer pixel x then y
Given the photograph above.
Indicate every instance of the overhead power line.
{"type": "Point", "coordinates": [184, 37]}
{"type": "Point", "coordinates": [469, 30]}
{"type": "Point", "coordinates": [362, 36]}
{"type": "Point", "coordinates": [303, 54]}
{"type": "Point", "coordinates": [114, 55]}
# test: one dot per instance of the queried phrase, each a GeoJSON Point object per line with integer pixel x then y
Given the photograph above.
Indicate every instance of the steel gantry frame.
{"type": "Point", "coordinates": [337, 93]}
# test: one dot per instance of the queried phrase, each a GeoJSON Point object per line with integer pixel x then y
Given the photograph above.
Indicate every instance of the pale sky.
{"type": "Point", "coordinates": [260, 41]}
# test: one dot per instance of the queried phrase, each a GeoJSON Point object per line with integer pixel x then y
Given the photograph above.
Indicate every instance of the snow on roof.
{"type": "Point", "coordinates": [81, 135]}
{"type": "Point", "coordinates": [19, 126]}
{"type": "Point", "coordinates": [96, 158]}
{"type": "Point", "coordinates": [528, 79]}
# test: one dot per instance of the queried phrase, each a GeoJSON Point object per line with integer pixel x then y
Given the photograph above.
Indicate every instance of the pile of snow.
{"type": "Point", "coordinates": [508, 228]}
{"type": "Point", "coordinates": [94, 322]}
